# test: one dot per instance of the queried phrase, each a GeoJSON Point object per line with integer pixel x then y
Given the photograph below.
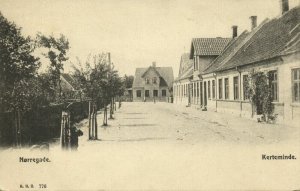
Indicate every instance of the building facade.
{"type": "Point", "coordinates": [273, 48]}
{"type": "Point", "coordinates": [189, 85]}
{"type": "Point", "coordinates": [181, 85]}
{"type": "Point", "coordinates": [152, 83]}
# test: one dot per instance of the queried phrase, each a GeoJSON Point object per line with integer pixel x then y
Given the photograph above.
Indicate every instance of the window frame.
{"type": "Point", "coordinates": [208, 89]}
{"type": "Point", "coordinates": [220, 88]}
{"type": "Point", "coordinates": [236, 88]}
{"type": "Point", "coordinates": [226, 88]}
{"type": "Point", "coordinates": [274, 92]}
{"type": "Point", "coordinates": [213, 84]}
{"type": "Point", "coordinates": [147, 95]}
{"type": "Point", "coordinates": [147, 81]}
{"type": "Point", "coordinates": [154, 80]}
{"type": "Point", "coordinates": [295, 81]}
{"type": "Point", "coordinates": [138, 93]}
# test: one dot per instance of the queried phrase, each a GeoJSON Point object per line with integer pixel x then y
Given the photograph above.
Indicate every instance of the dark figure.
{"type": "Point", "coordinates": [75, 133]}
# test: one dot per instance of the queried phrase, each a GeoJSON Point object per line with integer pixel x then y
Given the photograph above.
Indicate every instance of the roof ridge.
{"type": "Point", "coordinates": [226, 48]}
{"type": "Point", "coordinates": [292, 41]}
{"type": "Point", "coordinates": [243, 43]}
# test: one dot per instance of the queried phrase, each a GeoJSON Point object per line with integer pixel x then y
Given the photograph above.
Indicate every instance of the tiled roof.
{"type": "Point", "coordinates": [165, 72]}
{"type": "Point", "coordinates": [277, 37]}
{"type": "Point", "coordinates": [227, 53]}
{"type": "Point", "coordinates": [208, 46]}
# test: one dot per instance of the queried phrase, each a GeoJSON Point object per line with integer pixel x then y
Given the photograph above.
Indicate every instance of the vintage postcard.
{"type": "Point", "coordinates": [149, 95]}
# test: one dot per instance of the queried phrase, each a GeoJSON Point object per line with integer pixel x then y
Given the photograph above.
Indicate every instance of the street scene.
{"type": "Point", "coordinates": [164, 123]}
{"type": "Point", "coordinates": [151, 148]}
{"type": "Point", "coordinates": [150, 95]}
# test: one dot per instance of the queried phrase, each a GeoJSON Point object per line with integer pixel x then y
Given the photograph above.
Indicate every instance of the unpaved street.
{"type": "Point", "coordinates": [163, 146]}
{"type": "Point", "coordinates": [168, 123]}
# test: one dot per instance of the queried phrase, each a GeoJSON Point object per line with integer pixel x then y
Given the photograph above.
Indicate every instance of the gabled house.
{"type": "Point", "coordinates": [152, 83]}
{"type": "Point", "coordinates": [68, 87]}
{"type": "Point", "coordinates": [203, 52]}
{"type": "Point", "coordinates": [182, 82]}
{"type": "Point", "coordinates": [272, 47]}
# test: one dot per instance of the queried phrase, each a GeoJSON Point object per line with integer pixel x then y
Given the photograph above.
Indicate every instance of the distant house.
{"type": "Point", "coordinates": [68, 87]}
{"type": "Point", "coordinates": [203, 52]}
{"type": "Point", "coordinates": [152, 83]}
{"type": "Point", "coordinates": [182, 82]}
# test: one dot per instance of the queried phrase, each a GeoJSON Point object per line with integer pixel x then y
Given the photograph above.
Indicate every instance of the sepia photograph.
{"type": "Point", "coordinates": [149, 95]}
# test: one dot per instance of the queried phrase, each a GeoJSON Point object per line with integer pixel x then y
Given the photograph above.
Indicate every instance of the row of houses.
{"type": "Point", "coordinates": [212, 76]}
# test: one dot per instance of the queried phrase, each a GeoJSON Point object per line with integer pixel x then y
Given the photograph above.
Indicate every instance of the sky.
{"type": "Point", "coordinates": [136, 32]}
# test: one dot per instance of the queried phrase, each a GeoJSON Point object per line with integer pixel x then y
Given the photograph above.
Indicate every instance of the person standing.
{"type": "Point", "coordinates": [75, 133]}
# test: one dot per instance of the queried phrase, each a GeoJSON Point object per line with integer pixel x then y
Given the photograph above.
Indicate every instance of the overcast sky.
{"type": "Point", "coordinates": [136, 32]}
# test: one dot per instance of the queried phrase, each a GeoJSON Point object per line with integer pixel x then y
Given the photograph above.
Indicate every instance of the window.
{"type": "Point", "coordinates": [192, 89]}
{"type": "Point", "coordinates": [226, 81]}
{"type": "Point", "coordinates": [245, 87]}
{"type": "Point", "coordinates": [163, 93]}
{"type": "Point", "coordinates": [147, 93]}
{"type": "Point", "coordinates": [296, 84]}
{"type": "Point", "coordinates": [138, 93]}
{"type": "Point", "coordinates": [273, 85]}
{"type": "Point", "coordinates": [236, 87]}
{"type": "Point", "coordinates": [220, 89]}
{"type": "Point", "coordinates": [147, 81]}
{"type": "Point", "coordinates": [208, 89]}
{"type": "Point", "coordinates": [197, 89]}
{"type": "Point", "coordinates": [187, 89]}
{"type": "Point", "coordinates": [155, 93]}
{"type": "Point", "coordinates": [154, 80]}
{"type": "Point", "coordinates": [213, 89]}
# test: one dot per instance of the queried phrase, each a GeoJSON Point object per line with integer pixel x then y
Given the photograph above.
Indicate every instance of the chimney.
{"type": "Point", "coordinates": [284, 6]}
{"type": "Point", "coordinates": [234, 31]}
{"type": "Point", "coordinates": [253, 22]}
{"type": "Point", "coordinates": [153, 64]}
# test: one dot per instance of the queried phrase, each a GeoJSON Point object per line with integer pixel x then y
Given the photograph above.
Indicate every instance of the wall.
{"type": "Point", "coordinates": [180, 96]}
{"type": "Point", "coordinates": [287, 111]}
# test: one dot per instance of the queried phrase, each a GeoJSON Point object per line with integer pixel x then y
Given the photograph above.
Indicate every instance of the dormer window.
{"type": "Point", "coordinates": [154, 80]}
{"type": "Point", "coordinates": [147, 81]}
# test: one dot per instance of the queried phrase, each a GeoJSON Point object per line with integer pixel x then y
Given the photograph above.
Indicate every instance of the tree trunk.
{"type": "Point", "coordinates": [105, 115]}
{"type": "Point", "coordinates": [96, 126]}
{"type": "Point", "coordinates": [111, 110]}
{"type": "Point", "coordinates": [89, 120]}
